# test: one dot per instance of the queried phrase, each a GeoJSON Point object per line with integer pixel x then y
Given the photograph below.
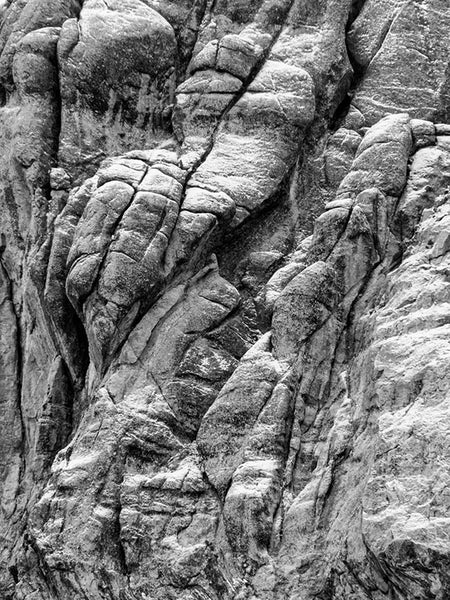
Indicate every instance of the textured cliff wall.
{"type": "Point", "coordinates": [224, 299]}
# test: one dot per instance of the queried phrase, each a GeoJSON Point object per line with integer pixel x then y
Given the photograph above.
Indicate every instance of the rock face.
{"type": "Point", "coordinates": [224, 300]}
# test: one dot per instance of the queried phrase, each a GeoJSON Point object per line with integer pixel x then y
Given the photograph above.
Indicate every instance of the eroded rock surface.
{"type": "Point", "coordinates": [224, 300]}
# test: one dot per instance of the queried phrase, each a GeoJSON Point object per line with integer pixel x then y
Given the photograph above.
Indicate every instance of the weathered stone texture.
{"type": "Point", "coordinates": [224, 300]}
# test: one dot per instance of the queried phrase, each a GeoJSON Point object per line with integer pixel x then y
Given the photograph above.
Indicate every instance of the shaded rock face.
{"type": "Point", "coordinates": [224, 300]}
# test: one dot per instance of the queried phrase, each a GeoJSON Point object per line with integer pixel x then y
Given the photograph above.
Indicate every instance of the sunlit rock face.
{"type": "Point", "coordinates": [224, 300]}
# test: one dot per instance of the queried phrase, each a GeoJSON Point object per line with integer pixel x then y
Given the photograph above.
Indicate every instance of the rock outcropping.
{"type": "Point", "coordinates": [225, 300]}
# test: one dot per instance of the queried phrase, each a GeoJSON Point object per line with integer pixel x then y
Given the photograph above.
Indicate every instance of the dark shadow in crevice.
{"type": "Point", "coordinates": [3, 96]}
{"type": "Point", "coordinates": [14, 573]}
{"type": "Point", "coordinates": [343, 107]}
{"type": "Point", "coordinates": [356, 8]}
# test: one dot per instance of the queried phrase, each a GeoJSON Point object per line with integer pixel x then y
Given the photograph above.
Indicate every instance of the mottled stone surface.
{"type": "Point", "coordinates": [224, 300]}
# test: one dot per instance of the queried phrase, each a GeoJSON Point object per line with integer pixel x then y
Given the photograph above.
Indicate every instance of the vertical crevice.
{"type": "Point", "coordinates": [18, 341]}
{"type": "Point", "coordinates": [197, 12]}
{"type": "Point", "coordinates": [358, 72]}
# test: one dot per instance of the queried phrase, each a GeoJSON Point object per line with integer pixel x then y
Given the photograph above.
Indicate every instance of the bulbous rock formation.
{"type": "Point", "coordinates": [224, 300]}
